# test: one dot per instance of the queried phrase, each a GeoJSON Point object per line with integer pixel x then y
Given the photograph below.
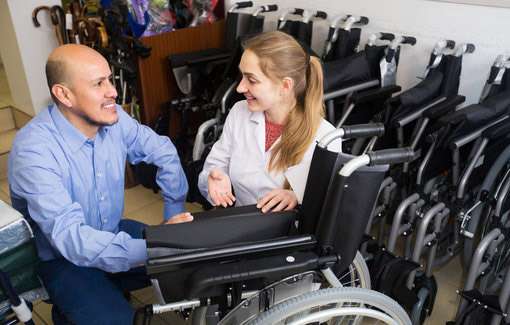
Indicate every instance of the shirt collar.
{"type": "Point", "coordinates": [257, 117]}
{"type": "Point", "coordinates": [74, 138]}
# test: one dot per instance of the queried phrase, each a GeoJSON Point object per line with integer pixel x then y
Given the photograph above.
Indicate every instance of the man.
{"type": "Point", "coordinates": [66, 175]}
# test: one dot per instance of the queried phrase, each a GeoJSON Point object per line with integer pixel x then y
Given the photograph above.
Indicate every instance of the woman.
{"type": "Point", "coordinates": [267, 143]}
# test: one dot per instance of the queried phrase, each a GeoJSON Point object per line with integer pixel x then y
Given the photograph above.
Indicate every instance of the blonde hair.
{"type": "Point", "coordinates": [281, 56]}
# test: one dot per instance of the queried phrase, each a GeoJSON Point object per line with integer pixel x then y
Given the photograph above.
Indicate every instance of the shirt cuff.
{"type": "Point", "coordinates": [171, 210]}
{"type": "Point", "coordinates": [137, 249]}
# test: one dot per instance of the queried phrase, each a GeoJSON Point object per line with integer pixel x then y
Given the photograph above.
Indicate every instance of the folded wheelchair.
{"type": "Point", "coordinates": [240, 266]}
{"type": "Point", "coordinates": [19, 284]}
{"type": "Point", "coordinates": [486, 290]}
{"type": "Point", "coordinates": [408, 118]}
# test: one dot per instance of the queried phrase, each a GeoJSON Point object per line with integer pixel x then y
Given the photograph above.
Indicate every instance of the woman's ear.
{"type": "Point", "coordinates": [287, 84]}
{"type": "Point", "coordinates": [62, 93]}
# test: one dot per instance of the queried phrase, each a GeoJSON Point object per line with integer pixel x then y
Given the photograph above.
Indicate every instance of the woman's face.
{"type": "Point", "coordinates": [261, 92]}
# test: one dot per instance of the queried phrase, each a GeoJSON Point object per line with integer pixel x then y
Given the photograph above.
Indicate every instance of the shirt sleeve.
{"type": "Point", "coordinates": [36, 176]}
{"type": "Point", "coordinates": [143, 144]}
{"type": "Point", "coordinates": [219, 156]}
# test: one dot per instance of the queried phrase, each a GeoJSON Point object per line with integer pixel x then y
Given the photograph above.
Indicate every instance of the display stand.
{"type": "Point", "coordinates": [156, 84]}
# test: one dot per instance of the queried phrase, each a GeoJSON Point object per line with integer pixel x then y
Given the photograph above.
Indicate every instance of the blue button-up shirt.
{"type": "Point", "coordinates": [72, 187]}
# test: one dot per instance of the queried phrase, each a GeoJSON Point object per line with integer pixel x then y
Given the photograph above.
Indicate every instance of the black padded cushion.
{"type": "Point", "coordinates": [221, 227]}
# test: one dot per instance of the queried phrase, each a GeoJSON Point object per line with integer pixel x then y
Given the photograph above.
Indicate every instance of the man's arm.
{"type": "Point", "coordinates": [36, 176]}
{"type": "Point", "coordinates": [143, 144]}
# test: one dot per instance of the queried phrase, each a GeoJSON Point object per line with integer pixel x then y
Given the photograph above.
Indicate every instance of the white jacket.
{"type": "Point", "coordinates": [240, 154]}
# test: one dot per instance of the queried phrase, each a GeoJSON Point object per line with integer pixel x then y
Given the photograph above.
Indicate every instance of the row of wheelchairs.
{"type": "Point", "coordinates": [446, 201]}
{"type": "Point", "coordinates": [360, 87]}
{"type": "Point", "coordinates": [428, 200]}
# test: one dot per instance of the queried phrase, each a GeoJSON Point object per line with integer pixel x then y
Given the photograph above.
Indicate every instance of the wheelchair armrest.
{"type": "Point", "coordinates": [273, 267]}
{"type": "Point", "coordinates": [222, 227]}
{"type": "Point", "coordinates": [497, 131]}
{"type": "Point", "coordinates": [368, 96]}
{"type": "Point", "coordinates": [167, 263]}
{"type": "Point", "coordinates": [445, 107]}
{"type": "Point", "coordinates": [198, 57]}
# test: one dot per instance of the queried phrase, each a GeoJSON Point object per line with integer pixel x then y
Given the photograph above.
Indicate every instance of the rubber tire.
{"type": "Point", "coordinates": [419, 314]}
{"type": "Point", "coordinates": [281, 311]}
{"type": "Point", "coordinates": [359, 266]}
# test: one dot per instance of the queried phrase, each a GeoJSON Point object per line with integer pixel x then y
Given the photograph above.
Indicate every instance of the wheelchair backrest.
{"type": "Point", "coordinates": [357, 199]}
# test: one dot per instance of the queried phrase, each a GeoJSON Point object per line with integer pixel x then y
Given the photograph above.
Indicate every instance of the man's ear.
{"type": "Point", "coordinates": [62, 93]}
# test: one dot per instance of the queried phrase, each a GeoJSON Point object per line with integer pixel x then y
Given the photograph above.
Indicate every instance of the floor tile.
{"type": "Point", "coordinates": [5, 198]}
{"type": "Point", "coordinates": [193, 207]}
{"type": "Point", "coordinates": [38, 321]}
{"type": "Point", "coordinates": [138, 197]}
{"type": "Point", "coordinates": [6, 139]}
{"type": "Point", "coordinates": [151, 214]}
{"type": "Point", "coordinates": [3, 165]}
{"type": "Point", "coordinates": [6, 119]}
{"type": "Point", "coordinates": [4, 186]}
{"type": "Point", "coordinates": [145, 295]}
{"type": "Point", "coordinates": [445, 306]}
{"type": "Point", "coordinates": [451, 273]}
{"type": "Point", "coordinates": [43, 311]}
{"type": "Point", "coordinates": [20, 118]}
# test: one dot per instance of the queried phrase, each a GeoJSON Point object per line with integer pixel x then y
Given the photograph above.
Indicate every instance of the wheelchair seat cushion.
{"type": "Point", "coordinates": [222, 227]}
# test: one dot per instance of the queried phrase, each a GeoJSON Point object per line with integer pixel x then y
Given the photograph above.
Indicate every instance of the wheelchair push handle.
{"type": "Point", "coordinates": [298, 11]}
{"type": "Point", "coordinates": [269, 8]}
{"type": "Point", "coordinates": [352, 131]}
{"type": "Point", "coordinates": [321, 14]}
{"type": "Point", "coordinates": [390, 156]}
{"type": "Point", "coordinates": [450, 44]}
{"type": "Point", "coordinates": [373, 38]}
{"type": "Point", "coordinates": [465, 48]}
{"type": "Point", "coordinates": [470, 48]}
{"type": "Point", "coordinates": [360, 20]}
{"type": "Point", "coordinates": [386, 36]}
{"type": "Point", "coordinates": [408, 40]}
{"type": "Point", "coordinates": [363, 130]}
{"type": "Point", "coordinates": [243, 4]}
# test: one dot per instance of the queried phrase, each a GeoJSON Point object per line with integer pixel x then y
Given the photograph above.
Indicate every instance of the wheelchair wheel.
{"type": "Point", "coordinates": [420, 309]}
{"type": "Point", "coordinates": [327, 305]}
{"type": "Point", "coordinates": [357, 275]}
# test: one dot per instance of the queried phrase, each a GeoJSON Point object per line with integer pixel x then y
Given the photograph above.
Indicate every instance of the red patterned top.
{"type": "Point", "coordinates": [273, 131]}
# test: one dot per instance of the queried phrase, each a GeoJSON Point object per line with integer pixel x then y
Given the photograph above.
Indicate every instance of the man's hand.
{"type": "Point", "coordinates": [220, 188]}
{"type": "Point", "coordinates": [280, 199]}
{"type": "Point", "coordinates": [180, 218]}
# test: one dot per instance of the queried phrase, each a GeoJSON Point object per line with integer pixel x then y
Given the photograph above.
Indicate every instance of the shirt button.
{"type": "Point", "coordinates": [99, 174]}
{"type": "Point", "coordinates": [101, 198]}
{"type": "Point", "coordinates": [105, 220]}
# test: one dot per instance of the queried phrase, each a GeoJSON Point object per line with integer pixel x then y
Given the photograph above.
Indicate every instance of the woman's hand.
{"type": "Point", "coordinates": [280, 199]}
{"type": "Point", "coordinates": [220, 188]}
{"type": "Point", "coordinates": [180, 218]}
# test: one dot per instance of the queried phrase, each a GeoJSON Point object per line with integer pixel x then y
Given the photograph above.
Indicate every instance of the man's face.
{"type": "Point", "coordinates": [92, 93]}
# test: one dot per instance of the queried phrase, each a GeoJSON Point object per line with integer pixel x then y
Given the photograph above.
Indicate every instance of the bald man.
{"type": "Point", "coordinates": [66, 176]}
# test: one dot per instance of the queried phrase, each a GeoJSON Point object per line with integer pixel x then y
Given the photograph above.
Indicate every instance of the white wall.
{"type": "Point", "coordinates": [429, 21]}
{"type": "Point", "coordinates": [24, 50]}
